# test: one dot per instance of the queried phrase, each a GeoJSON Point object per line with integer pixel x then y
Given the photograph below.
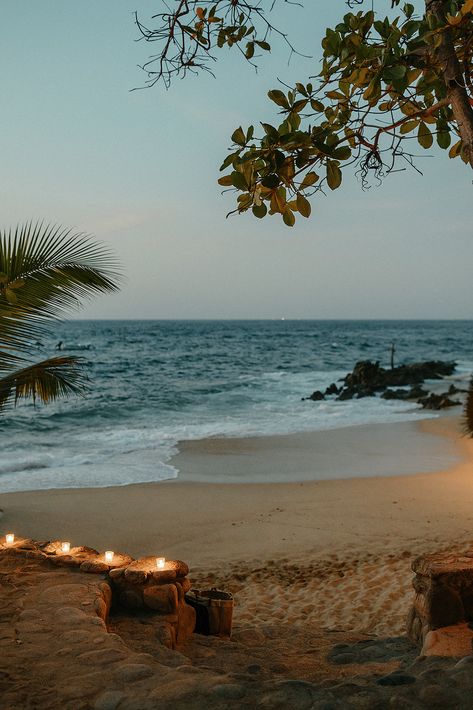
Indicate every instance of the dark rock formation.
{"type": "Point", "coordinates": [368, 379]}
{"type": "Point", "coordinates": [370, 376]}
{"type": "Point", "coordinates": [438, 401]}
{"type": "Point", "coordinates": [415, 392]}
{"type": "Point", "coordinates": [454, 390]}
{"type": "Point", "coordinates": [332, 389]}
{"type": "Point", "coordinates": [347, 393]}
{"type": "Point", "coordinates": [315, 396]}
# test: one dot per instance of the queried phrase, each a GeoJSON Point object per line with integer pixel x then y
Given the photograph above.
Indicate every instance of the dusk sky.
{"type": "Point", "coordinates": [138, 169]}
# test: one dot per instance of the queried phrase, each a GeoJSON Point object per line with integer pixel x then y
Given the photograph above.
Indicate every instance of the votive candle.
{"type": "Point", "coordinates": [109, 556]}
{"type": "Point", "coordinates": [65, 546]}
{"type": "Point", "coordinates": [10, 538]}
{"type": "Point", "coordinates": [160, 562]}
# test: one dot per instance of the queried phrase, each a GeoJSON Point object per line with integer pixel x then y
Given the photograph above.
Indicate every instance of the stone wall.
{"type": "Point", "coordinates": [439, 620]}
{"type": "Point", "coordinates": [132, 584]}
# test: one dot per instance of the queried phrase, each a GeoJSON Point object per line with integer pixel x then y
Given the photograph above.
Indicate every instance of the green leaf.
{"type": "Point", "coordinates": [244, 201]}
{"type": "Point", "coordinates": [263, 45]}
{"type": "Point", "coordinates": [409, 126]}
{"type": "Point", "coordinates": [372, 92]}
{"type": "Point", "coordinates": [270, 131]}
{"type": "Point", "coordinates": [444, 139]}
{"type": "Point", "coordinates": [334, 175]}
{"type": "Point", "coordinates": [424, 136]}
{"type": "Point", "coordinates": [238, 181]}
{"type": "Point", "coordinates": [455, 149]}
{"type": "Point", "coordinates": [260, 211]}
{"type": "Point", "coordinates": [342, 153]}
{"type": "Point", "coordinates": [288, 217]}
{"type": "Point", "coordinates": [270, 181]}
{"type": "Point", "coordinates": [309, 180]}
{"type": "Point", "coordinates": [279, 98]}
{"type": "Point", "coordinates": [303, 205]}
{"type": "Point", "coordinates": [228, 161]}
{"type": "Point", "coordinates": [238, 136]}
{"type": "Point", "coordinates": [299, 105]}
{"type": "Point", "coordinates": [394, 74]}
{"type": "Point", "coordinates": [317, 105]}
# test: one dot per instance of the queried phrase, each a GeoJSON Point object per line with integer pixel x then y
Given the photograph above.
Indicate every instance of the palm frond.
{"type": "Point", "coordinates": [468, 411]}
{"type": "Point", "coordinates": [44, 271]}
{"type": "Point", "coordinates": [46, 380]}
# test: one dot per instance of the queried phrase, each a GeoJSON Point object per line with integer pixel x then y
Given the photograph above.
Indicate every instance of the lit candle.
{"type": "Point", "coordinates": [160, 562]}
{"type": "Point", "coordinates": [65, 546]}
{"type": "Point", "coordinates": [10, 538]}
{"type": "Point", "coordinates": [109, 556]}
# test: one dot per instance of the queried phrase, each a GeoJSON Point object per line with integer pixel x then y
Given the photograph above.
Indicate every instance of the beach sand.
{"type": "Point", "coordinates": [328, 557]}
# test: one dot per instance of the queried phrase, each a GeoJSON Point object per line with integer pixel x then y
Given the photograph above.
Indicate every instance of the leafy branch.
{"type": "Point", "coordinates": [382, 84]}
{"type": "Point", "coordinates": [188, 34]}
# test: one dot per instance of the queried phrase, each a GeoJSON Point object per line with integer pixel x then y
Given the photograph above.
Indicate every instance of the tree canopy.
{"type": "Point", "coordinates": [385, 85]}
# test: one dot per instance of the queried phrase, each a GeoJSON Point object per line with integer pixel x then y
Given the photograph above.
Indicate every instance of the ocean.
{"type": "Point", "coordinates": [154, 383]}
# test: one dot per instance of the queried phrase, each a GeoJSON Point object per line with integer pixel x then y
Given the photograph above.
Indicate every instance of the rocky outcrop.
{"type": "Point", "coordinates": [369, 379]}
{"type": "Point", "coordinates": [332, 389]}
{"type": "Point", "coordinates": [415, 393]}
{"type": "Point", "coordinates": [438, 401]}
{"type": "Point", "coordinates": [315, 396]}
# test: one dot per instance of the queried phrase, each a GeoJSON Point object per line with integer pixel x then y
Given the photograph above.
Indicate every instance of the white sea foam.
{"type": "Point", "coordinates": [124, 455]}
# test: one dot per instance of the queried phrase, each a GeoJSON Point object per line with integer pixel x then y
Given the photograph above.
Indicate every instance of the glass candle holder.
{"type": "Point", "coordinates": [9, 538]}
{"type": "Point", "coordinates": [160, 562]}
{"type": "Point", "coordinates": [109, 556]}
{"type": "Point", "coordinates": [65, 546]}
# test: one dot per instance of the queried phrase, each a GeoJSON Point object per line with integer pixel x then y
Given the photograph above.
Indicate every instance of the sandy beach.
{"type": "Point", "coordinates": [325, 557]}
{"type": "Point", "coordinates": [363, 526]}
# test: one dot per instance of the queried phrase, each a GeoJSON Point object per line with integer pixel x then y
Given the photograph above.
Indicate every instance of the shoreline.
{"type": "Point", "coordinates": [220, 523]}
{"type": "Point", "coordinates": [357, 451]}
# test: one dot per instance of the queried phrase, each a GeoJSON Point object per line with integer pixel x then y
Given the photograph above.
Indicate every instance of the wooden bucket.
{"type": "Point", "coordinates": [214, 611]}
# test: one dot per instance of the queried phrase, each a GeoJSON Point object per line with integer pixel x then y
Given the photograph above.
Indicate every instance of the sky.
{"type": "Point", "coordinates": [138, 170]}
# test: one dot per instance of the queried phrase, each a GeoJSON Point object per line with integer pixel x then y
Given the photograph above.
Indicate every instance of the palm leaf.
{"type": "Point", "coordinates": [468, 411]}
{"type": "Point", "coordinates": [47, 381]}
{"type": "Point", "coordinates": [44, 271]}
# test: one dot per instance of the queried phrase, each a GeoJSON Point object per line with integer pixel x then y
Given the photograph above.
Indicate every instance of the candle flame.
{"type": "Point", "coordinates": [109, 556]}
{"type": "Point", "coordinates": [10, 538]}
{"type": "Point", "coordinates": [65, 546]}
{"type": "Point", "coordinates": [160, 562]}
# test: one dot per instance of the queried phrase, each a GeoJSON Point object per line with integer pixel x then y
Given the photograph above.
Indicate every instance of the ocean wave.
{"type": "Point", "coordinates": [26, 464]}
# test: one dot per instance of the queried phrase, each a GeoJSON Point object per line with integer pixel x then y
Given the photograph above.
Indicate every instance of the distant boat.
{"type": "Point", "coordinates": [78, 346]}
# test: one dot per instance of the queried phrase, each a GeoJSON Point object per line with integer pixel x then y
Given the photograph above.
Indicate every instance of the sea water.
{"type": "Point", "coordinates": [154, 383]}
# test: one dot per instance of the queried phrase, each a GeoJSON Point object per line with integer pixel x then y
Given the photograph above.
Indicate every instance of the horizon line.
{"type": "Point", "coordinates": [273, 319]}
